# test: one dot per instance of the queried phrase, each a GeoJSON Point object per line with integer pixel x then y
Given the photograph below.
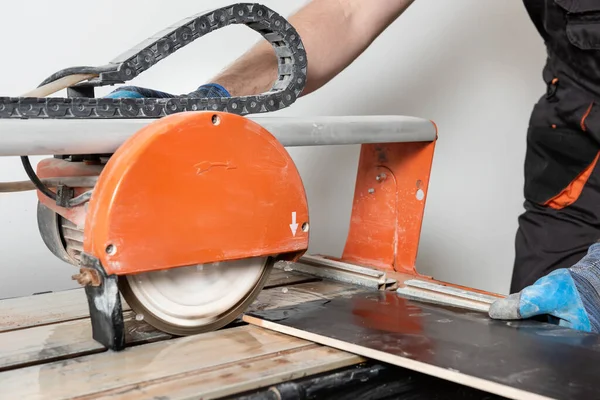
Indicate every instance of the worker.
{"type": "Point", "coordinates": [557, 265]}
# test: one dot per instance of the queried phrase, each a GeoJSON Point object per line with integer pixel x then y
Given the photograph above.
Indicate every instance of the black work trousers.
{"type": "Point", "coordinates": [548, 239]}
{"type": "Point", "coordinates": [562, 184]}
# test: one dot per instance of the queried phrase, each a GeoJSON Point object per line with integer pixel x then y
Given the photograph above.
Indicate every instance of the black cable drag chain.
{"type": "Point", "coordinates": [273, 27]}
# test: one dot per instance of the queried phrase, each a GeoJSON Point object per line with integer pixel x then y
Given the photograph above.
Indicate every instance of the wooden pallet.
{"type": "Point", "coordinates": [47, 350]}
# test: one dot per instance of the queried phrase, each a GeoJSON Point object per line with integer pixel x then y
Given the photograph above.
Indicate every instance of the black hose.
{"type": "Point", "coordinates": [34, 178]}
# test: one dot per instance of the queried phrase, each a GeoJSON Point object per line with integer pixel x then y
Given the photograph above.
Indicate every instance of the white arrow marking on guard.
{"type": "Point", "coordinates": [294, 225]}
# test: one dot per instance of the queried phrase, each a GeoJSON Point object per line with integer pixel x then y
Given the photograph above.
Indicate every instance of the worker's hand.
{"type": "Point", "coordinates": [207, 90]}
{"type": "Point", "coordinates": [569, 294]}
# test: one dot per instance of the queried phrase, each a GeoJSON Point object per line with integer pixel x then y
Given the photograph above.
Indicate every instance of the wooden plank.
{"type": "Point", "coordinates": [106, 371]}
{"type": "Point", "coordinates": [229, 379]}
{"type": "Point", "coordinates": [57, 341]}
{"type": "Point", "coordinates": [44, 309]}
{"type": "Point", "coordinates": [53, 342]}
{"type": "Point", "coordinates": [514, 359]}
{"type": "Point", "coordinates": [58, 85]}
{"type": "Point", "coordinates": [68, 305]}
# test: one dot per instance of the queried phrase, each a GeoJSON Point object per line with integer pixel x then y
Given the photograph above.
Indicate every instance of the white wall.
{"type": "Point", "coordinates": [472, 66]}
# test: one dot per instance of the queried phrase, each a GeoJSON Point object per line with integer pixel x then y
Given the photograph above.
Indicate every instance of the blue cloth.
{"type": "Point", "coordinates": [571, 295]}
{"type": "Point", "coordinates": [136, 92]}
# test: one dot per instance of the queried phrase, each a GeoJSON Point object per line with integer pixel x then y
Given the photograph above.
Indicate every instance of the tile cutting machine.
{"type": "Point", "coordinates": [183, 205]}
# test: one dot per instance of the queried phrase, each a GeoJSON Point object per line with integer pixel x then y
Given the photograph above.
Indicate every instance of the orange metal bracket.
{"type": "Point", "coordinates": [389, 202]}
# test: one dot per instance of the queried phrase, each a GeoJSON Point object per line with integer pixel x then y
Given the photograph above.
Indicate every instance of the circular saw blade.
{"type": "Point", "coordinates": [190, 300]}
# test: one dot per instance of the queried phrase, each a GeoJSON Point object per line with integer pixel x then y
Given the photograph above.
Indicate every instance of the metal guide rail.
{"type": "Point", "coordinates": [43, 137]}
{"type": "Point", "coordinates": [273, 27]}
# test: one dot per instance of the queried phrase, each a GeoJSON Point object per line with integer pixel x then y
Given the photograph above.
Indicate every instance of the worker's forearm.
{"type": "Point", "coordinates": [334, 33]}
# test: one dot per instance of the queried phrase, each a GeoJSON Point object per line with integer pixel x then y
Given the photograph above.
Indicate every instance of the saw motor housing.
{"type": "Point", "coordinates": [189, 189]}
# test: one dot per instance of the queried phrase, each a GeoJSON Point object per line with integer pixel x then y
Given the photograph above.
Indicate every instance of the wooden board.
{"type": "Point", "coordinates": [176, 359]}
{"type": "Point", "coordinates": [58, 85]}
{"type": "Point", "coordinates": [71, 338]}
{"type": "Point", "coordinates": [518, 360]}
{"type": "Point", "coordinates": [42, 309]}
{"type": "Point", "coordinates": [46, 343]}
{"type": "Point", "coordinates": [233, 378]}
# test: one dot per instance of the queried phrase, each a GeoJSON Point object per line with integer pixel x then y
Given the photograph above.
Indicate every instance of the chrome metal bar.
{"type": "Point", "coordinates": [415, 289]}
{"type": "Point", "coordinates": [452, 291]}
{"type": "Point", "coordinates": [47, 137]}
{"type": "Point", "coordinates": [342, 272]}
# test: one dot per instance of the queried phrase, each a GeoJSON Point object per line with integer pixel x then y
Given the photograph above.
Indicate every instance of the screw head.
{"type": "Point", "coordinates": [111, 249]}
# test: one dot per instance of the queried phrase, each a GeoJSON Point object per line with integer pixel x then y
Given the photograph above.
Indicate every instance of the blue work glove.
{"type": "Point", "coordinates": [135, 92]}
{"type": "Point", "coordinates": [569, 294]}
